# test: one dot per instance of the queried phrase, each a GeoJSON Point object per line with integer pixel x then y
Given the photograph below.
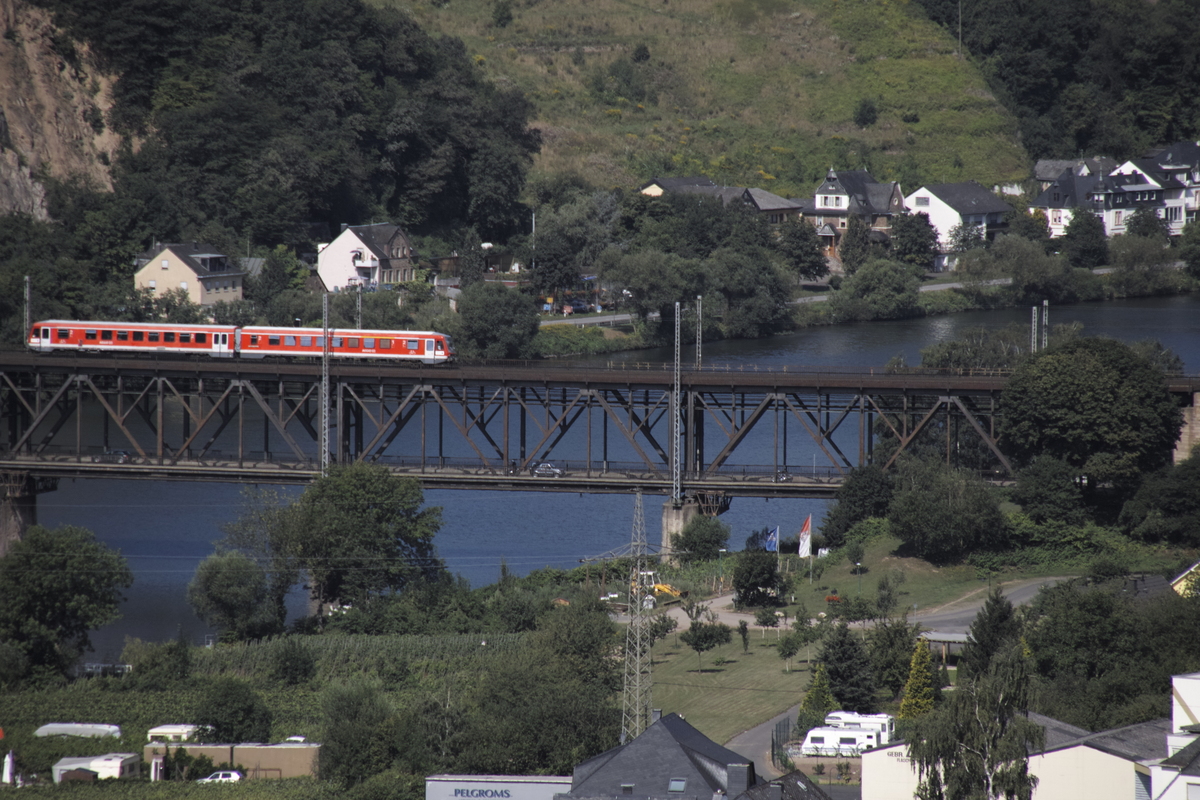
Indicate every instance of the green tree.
{"type": "Point", "coordinates": [472, 259]}
{"type": "Point", "coordinates": [358, 735]}
{"type": "Point", "coordinates": [966, 237]}
{"type": "Point", "coordinates": [756, 579]}
{"type": "Point", "coordinates": [977, 743]}
{"type": "Point", "coordinates": [943, 513]}
{"type": "Point", "coordinates": [879, 289]}
{"type": "Point", "coordinates": [1048, 489]}
{"type": "Point", "coordinates": [818, 701]}
{"type": "Point", "coordinates": [848, 666]}
{"type": "Point", "coordinates": [914, 240]}
{"type": "Point", "coordinates": [264, 533]}
{"type": "Point", "coordinates": [1166, 507]}
{"type": "Point", "coordinates": [1145, 222]}
{"type": "Point", "coordinates": [365, 533]}
{"type": "Point", "coordinates": [853, 551]}
{"type": "Point", "coordinates": [55, 586]}
{"type": "Point", "coordinates": [865, 113]}
{"type": "Point", "coordinates": [890, 645]}
{"type": "Point", "coordinates": [229, 592]}
{"type": "Point", "coordinates": [704, 636]}
{"type": "Point", "coordinates": [855, 245]}
{"type": "Point", "coordinates": [754, 292]}
{"type": "Point", "coordinates": [918, 688]}
{"type": "Point", "coordinates": [788, 646]}
{"type": "Point", "coordinates": [497, 322]}
{"type": "Point", "coordinates": [292, 662]}
{"type": "Point", "coordinates": [995, 627]}
{"type": "Point", "coordinates": [743, 629]}
{"type": "Point", "coordinates": [1189, 249]}
{"type": "Point", "coordinates": [700, 540]}
{"type": "Point", "coordinates": [281, 270]}
{"type": "Point", "coordinates": [1084, 240]}
{"type": "Point", "coordinates": [800, 248]}
{"type": "Point", "coordinates": [1094, 404]}
{"type": "Point", "coordinates": [866, 492]}
{"type": "Point", "coordinates": [229, 711]}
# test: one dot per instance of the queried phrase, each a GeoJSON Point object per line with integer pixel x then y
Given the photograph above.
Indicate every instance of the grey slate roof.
{"type": "Point", "coordinates": [968, 198]}
{"type": "Point", "coordinates": [376, 237]}
{"type": "Point", "coordinates": [1186, 760]}
{"type": "Point", "coordinates": [1049, 169]}
{"type": "Point", "coordinates": [765, 201]}
{"type": "Point", "coordinates": [1178, 155]}
{"type": "Point", "coordinates": [865, 194]}
{"type": "Point", "coordinates": [669, 749]}
{"type": "Point", "coordinates": [793, 786]}
{"type": "Point", "coordinates": [1141, 742]}
{"type": "Point", "coordinates": [678, 184]}
{"type": "Point", "coordinates": [195, 255]}
{"type": "Point", "coordinates": [1067, 191]}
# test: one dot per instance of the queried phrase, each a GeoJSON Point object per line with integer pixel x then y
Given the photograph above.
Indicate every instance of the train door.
{"type": "Point", "coordinates": [221, 346]}
{"type": "Point", "coordinates": [428, 359]}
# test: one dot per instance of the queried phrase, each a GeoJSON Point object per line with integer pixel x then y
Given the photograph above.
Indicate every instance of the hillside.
{"type": "Point", "coordinates": [750, 92]}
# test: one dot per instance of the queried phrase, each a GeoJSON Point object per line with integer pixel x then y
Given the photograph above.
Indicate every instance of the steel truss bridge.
{"type": "Point", "coordinates": [742, 432]}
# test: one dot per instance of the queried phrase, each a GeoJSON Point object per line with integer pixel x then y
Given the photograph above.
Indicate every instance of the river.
{"type": "Point", "coordinates": [165, 529]}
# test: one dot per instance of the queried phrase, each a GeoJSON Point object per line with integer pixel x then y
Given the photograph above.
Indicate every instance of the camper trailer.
{"type": "Point", "coordinates": [883, 724]}
{"type": "Point", "coordinates": [842, 742]}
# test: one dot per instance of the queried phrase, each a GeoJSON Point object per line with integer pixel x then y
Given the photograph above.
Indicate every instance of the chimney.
{"type": "Point", "coordinates": [655, 715]}
{"type": "Point", "coordinates": [344, 226]}
{"type": "Point", "coordinates": [737, 779]}
{"type": "Point", "coordinates": [775, 791]}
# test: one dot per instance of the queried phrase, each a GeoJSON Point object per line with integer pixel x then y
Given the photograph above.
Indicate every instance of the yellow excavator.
{"type": "Point", "coordinates": [648, 581]}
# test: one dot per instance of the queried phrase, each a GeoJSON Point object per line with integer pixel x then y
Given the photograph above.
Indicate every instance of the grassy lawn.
{"type": "Point", "coordinates": [734, 690]}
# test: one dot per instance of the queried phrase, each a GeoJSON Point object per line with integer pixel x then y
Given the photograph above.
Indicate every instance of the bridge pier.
{"type": "Point", "coordinates": [18, 505]}
{"type": "Point", "coordinates": [675, 519]}
{"type": "Point", "coordinates": [1189, 434]}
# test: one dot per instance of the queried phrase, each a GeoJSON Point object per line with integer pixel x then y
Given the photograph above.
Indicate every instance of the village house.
{"type": "Point", "coordinates": [1046, 171]}
{"type": "Point", "coordinates": [204, 273]}
{"type": "Point", "coordinates": [847, 192]}
{"type": "Point", "coordinates": [950, 205]}
{"type": "Point", "coordinates": [774, 208]}
{"type": "Point", "coordinates": [367, 257]}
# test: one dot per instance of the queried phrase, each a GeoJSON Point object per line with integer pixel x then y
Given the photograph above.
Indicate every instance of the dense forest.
{"type": "Point", "coordinates": [1085, 77]}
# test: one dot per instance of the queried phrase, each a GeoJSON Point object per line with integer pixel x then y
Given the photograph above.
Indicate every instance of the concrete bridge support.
{"type": "Point", "coordinates": [1189, 434]}
{"type": "Point", "coordinates": [675, 519]}
{"type": "Point", "coordinates": [18, 507]}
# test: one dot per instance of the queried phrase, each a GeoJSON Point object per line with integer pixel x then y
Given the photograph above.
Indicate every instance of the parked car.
{"type": "Point", "coordinates": [230, 776]}
{"type": "Point", "coordinates": [579, 307]}
{"type": "Point", "coordinates": [546, 470]}
{"type": "Point", "coordinates": [111, 457]}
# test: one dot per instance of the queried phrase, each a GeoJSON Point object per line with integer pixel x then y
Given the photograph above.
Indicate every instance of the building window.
{"type": "Point", "coordinates": [922, 202]}
{"type": "Point", "coordinates": [183, 285]}
{"type": "Point", "coordinates": [1116, 217]}
{"type": "Point", "coordinates": [1056, 217]}
{"type": "Point", "coordinates": [153, 284]}
{"type": "Point", "coordinates": [837, 202]}
{"type": "Point", "coordinates": [166, 264]}
{"type": "Point", "coordinates": [677, 785]}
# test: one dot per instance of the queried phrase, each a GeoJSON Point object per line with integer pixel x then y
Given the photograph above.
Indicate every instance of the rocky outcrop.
{"type": "Point", "coordinates": [53, 103]}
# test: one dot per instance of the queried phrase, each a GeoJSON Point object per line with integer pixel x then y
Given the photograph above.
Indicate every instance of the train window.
{"type": "Point", "coordinates": [64, 334]}
{"type": "Point", "coordinates": [306, 341]}
{"type": "Point", "coordinates": [273, 339]}
{"type": "Point", "coordinates": [412, 344]}
{"type": "Point", "coordinates": [352, 341]}
{"type": "Point", "coordinates": [122, 336]}
{"type": "Point", "coordinates": [368, 344]}
{"type": "Point", "coordinates": [185, 338]}
{"type": "Point", "coordinates": [224, 338]}
{"type": "Point", "coordinates": [438, 345]}
{"type": "Point", "coordinates": [337, 341]}
{"type": "Point", "coordinates": [89, 335]}
{"type": "Point", "coordinates": [201, 338]}
{"type": "Point", "coordinates": [319, 341]}
{"type": "Point", "coordinates": [138, 336]}
{"type": "Point", "coordinates": [106, 335]}
{"type": "Point", "coordinates": [254, 340]}
{"type": "Point", "coordinates": [289, 341]}
{"type": "Point", "coordinates": [152, 336]}
{"type": "Point", "coordinates": [168, 336]}
{"type": "Point", "coordinates": [385, 344]}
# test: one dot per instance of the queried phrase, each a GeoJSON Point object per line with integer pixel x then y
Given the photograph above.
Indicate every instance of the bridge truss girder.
{"type": "Point", "coordinates": [598, 422]}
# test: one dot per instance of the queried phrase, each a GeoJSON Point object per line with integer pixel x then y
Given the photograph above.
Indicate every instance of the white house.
{"type": "Point", "coordinates": [367, 257]}
{"type": "Point", "coordinates": [950, 205]}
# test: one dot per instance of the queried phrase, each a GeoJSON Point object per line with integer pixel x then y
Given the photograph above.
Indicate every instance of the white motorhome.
{"type": "Point", "coordinates": [172, 733]}
{"type": "Point", "coordinates": [839, 742]}
{"type": "Point", "coordinates": [884, 724]}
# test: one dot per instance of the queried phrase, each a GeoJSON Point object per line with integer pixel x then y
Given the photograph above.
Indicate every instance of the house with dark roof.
{"type": "Point", "coordinates": [1047, 170]}
{"type": "Point", "coordinates": [367, 257]}
{"type": "Point", "coordinates": [851, 192]}
{"type": "Point", "coordinates": [1139, 183]}
{"type": "Point", "coordinates": [1182, 162]}
{"type": "Point", "coordinates": [950, 205]}
{"type": "Point", "coordinates": [1063, 197]}
{"type": "Point", "coordinates": [793, 786]}
{"type": "Point", "coordinates": [671, 760]}
{"type": "Point", "coordinates": [204, 273]}
{"type": "Point", "coordinates": [657, 187]}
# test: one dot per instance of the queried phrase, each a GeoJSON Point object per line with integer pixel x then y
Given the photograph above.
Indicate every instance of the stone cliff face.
{"type": "Point", "coordinates": [52, 109]}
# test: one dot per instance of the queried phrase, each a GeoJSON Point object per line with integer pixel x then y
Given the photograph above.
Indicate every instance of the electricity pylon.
{"type": "Point", "coordinates": [635, 711]}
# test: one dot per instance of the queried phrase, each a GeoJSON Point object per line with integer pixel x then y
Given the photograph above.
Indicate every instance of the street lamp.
{"type": "Point", "coordinates": [858, 569]}
{"type": "Point", "coordinates": [721, 560]}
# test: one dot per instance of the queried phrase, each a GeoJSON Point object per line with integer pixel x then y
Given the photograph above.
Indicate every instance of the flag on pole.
{"type": "Point", "coordinates": [806, 538]}
{"type": "Point", "coordinates": [773, 540]}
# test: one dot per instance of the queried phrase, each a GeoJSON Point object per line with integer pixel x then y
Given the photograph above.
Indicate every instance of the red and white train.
{"type": "Point", "coordinates": [229, 341]}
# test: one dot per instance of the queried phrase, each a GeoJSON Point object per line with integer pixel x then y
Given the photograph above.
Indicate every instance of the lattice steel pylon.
{"type": "Point", "coordinates": [635, 710]}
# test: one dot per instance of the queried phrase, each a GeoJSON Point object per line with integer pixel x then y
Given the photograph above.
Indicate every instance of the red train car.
{"type": "Point", "coordinates": [132, 337]}
{"type": "Point", "coordinates": [428, 347]}
{"type": "Point", "coordinates": [226, 341]}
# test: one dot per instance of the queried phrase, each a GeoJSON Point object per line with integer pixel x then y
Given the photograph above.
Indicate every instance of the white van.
{"type": "Point", "coordinates": [883, 724]}
{"type": "Point", "coordinates": [842, 742]}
